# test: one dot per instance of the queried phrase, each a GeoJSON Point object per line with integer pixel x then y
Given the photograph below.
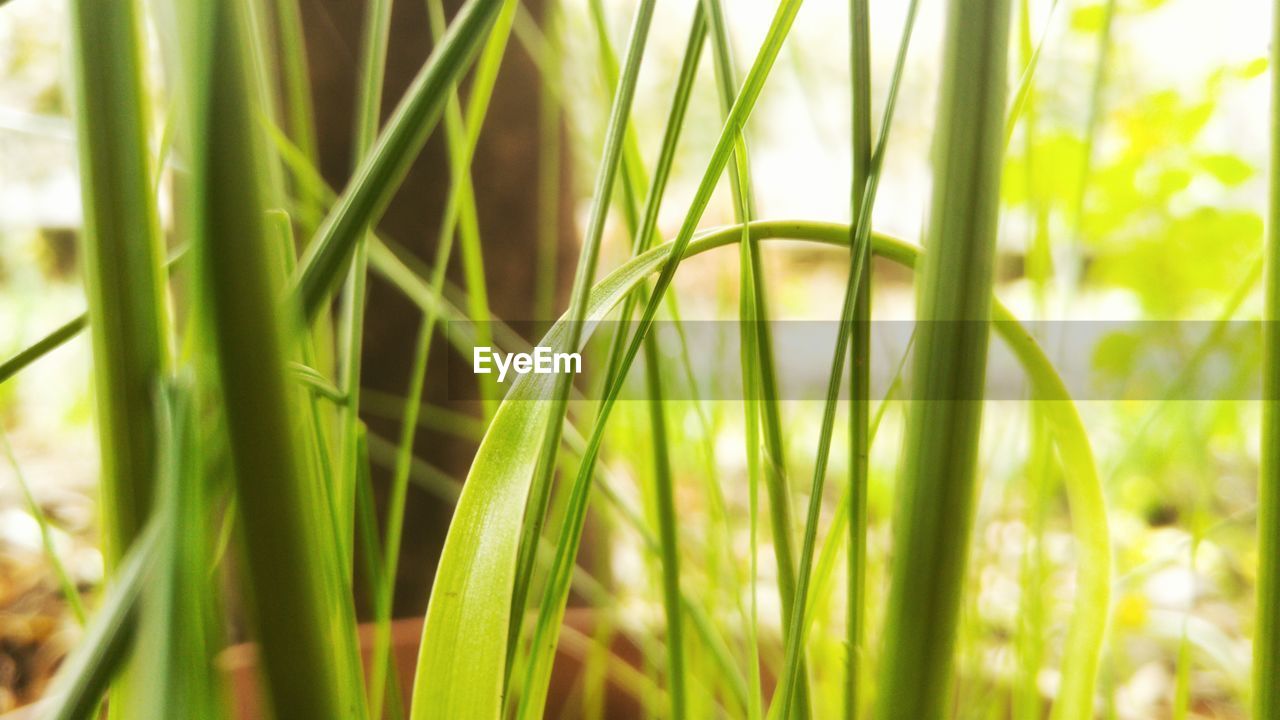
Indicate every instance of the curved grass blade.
{"type": "Point", "coordinates": [69, 591]}
{"type": "Point", "coordinates": [467, 616]}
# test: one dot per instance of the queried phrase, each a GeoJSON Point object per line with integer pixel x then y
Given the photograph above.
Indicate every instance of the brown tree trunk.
{"type": "Point", "coordinates": [505, 174]}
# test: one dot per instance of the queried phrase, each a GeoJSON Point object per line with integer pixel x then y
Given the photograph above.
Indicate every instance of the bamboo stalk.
{"type": "Point", "coordinates": [939, 477]}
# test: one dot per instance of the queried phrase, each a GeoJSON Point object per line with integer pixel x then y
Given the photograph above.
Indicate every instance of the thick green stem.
{"type": "Point", "coordinates": [123, 258]}
{"type": "Point", "coordinates": [249, 332]}
{"type": "Point", "coordinates": [939, 477]}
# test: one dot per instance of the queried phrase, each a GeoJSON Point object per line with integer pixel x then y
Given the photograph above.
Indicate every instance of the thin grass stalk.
{"type": "Point", "coordinates": [1022, 94]}
{"type": "Point", "coordinates": [664, 504]}
{"type": "Point", "coordinates": [368, 116]}
{"type": "Point", "coordinates": [550, 152]}
{"type": "Point", "coordinates": [643, 227]}
{"type": "Point", "coordinates": [752, 434]}
{"type": "Point", "coordinates": [55, 339]}
{"type": "Point", "coordinates": [1029, 641]}
{"type": "Point", "coordinates": [462, 202]}
{"type": "Point", "coordinates": [632, 171]}
{"type": "Point", "coordinates": [372, 69]}
{"type": "Point", "coordinates": [758, 337]}
{"type": "Point", "coordinates": [859, 260]}
{"type": "Point", "coordinates": [248, 335]}
{"type": "Point", "coordinates": [938, 481]}
{"type": "Point", "coordinates": [584, 278]}
{"type": "Point", "coordinates": [76, 691]}
{"type": "Point", "coordinates": [376, 178]}
{"type": "Point", "coordinates": [859, 358]}
{"type": "Point", "coordinates": [1092, 120]}
{"type": "Point", "coordinates": [368, 546]}
{"type": "Point", "coordinates": [556, 593]}
{"type": "Point", "coordinates": [1266, 643]}
{"type": "Point", "coordinates": [69, 591]}
{"type": "Point", "coordinates": [294, 75]}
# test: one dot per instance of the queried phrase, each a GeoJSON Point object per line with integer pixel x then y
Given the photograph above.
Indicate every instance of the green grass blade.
{"type": "Point", "coordinates": [1266, 643]}
{"type": "Point", "coordinates": [68, 588]}
{"type": "Point", "coordinates": [377, 177]}
{"type": "Point", "coordinates": [1092, 120]}
{"type": "Point", "coordinates": [178, 630]}
{"type": "Point", "coordinates": [460, 197]}
{"type": "Point", "coordinates": [550, 155]}
{"type": "Point", "coordinates": [757, 346]}
{"type": "Point", "coordinates": [467, 617]}
{"type": "Point", "coordinates": [83, 677]}
{"type": "Point", "coordinates": [668, 540]}
{"type": "Point", "coordinates": [45, 345]}
{"type": "Point", "coordinates": [59, 336]}
{"type": "Point", "coordinates": [860, 432]}
{"type": "Point", "coordinates": [295, 75]}
{"type": "Point", "coordinates": [938, 480]}
{"type": "Point", "coordinates": [584, 279]}
{"type": "Point", "coordinates": [369, 91]}
{"type": "Point", "coordinates": [461, 207]}
{"type": "Point", "coordinates": [372, 72]}
{"type": "Point", "coordinates": [556, 593]}
{"type": "Point", "coordinates": [1026, 81]}
{"type": "Point", "coordinates": [290, 554]}
{"type": "Point", "coordinates": [859, 262]}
